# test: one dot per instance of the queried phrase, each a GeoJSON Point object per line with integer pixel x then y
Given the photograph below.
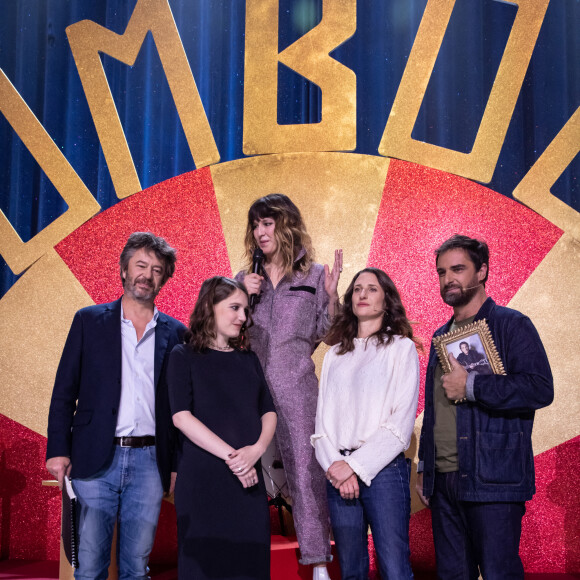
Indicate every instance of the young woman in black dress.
{"type": "Point", "coordinates": [222, 406]}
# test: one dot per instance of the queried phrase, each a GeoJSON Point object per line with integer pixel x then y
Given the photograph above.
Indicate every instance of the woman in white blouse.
{"type": "Point", "coordinates": [367, 404]}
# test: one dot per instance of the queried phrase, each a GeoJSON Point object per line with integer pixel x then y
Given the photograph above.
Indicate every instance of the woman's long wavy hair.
{"type": "Point", "coordinates": [395, 322]}
{"type": "Point", "coordinates": [290, 232]}
{"type": "Point", "coordinates": [201, 331]}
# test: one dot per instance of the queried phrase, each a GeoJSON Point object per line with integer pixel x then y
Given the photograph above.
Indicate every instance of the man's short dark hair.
{"type": "Point", "coordinates": [152, 243]}
{"type": "Point", "coordinates": [477, 251]}
{"type": "Point", "coordinates": [464, 343]}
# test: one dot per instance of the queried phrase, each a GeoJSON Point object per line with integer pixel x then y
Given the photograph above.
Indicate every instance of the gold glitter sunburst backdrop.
{"type": "Point", "coordinates": [384, 212]}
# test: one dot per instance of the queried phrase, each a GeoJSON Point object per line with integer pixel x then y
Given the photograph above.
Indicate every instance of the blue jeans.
{"type": "Point", "coordinates": [385, 505]}
{"type": "Point", "coordinates": [471, 535]}
{"type": "Point", "coordinates": [128, 491]}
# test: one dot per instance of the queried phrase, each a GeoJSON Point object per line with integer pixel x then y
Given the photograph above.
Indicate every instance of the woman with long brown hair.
{"type": "Point", "coordinates": [369, 387]}
{"type": "Point", "coordinates": [222, 406]}
{"type": "Point", "coordinates": [295, 302]}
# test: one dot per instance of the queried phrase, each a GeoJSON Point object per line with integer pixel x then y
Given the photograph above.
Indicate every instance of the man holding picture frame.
{"type": "Point", "coordinates": [476, 464]}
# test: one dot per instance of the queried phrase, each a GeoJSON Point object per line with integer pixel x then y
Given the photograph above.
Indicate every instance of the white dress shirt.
{"type": "Point", "coordinates": [137, 406]}
{"type": "Point", "coordinates": [367, 402]}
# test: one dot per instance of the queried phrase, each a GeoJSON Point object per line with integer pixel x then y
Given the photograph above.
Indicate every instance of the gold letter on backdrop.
{"type": "Point", "coordinates": [309, 57]}
{"type": "Point", "coordinates": [87, 39]}
{"type": "Point", "coordinates": [81, 204]}
{"type": "Point", "coordinates": [480, 163]}
{"type": "Point", "coordinates": [534, 188]}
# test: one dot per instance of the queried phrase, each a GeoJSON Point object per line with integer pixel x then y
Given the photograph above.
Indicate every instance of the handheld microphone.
{"type": "Point", "coordinates": [257, 259]}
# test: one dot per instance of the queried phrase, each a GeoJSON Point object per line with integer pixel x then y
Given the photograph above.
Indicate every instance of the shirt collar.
{"type": "Point", "coordinates": [152, 322]}
{"type": "Point", "coordinates": [300, 255]}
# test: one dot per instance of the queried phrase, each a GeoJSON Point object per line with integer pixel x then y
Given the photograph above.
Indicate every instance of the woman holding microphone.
{"type": "Point", "coordinates": [369, 387]}
{"type": "Point", "coordinates": [295, 300]}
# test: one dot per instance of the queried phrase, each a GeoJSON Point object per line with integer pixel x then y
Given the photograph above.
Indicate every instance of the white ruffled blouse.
{"type": "Point", "coordinates": [367, 401]}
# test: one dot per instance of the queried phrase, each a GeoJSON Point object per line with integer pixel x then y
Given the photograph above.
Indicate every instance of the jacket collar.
{"type": "Point", "coordinates": [300, 254]}
{"type": "Point", "coordinates": [115, 307]}
{"type": "Point", "coordinates": [486, 309]}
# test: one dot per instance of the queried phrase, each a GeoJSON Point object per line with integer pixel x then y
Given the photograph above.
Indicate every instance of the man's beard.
{"type": "Point", "coordinates": [140, 294]}
{"type": "Point", "coordinates": [461, 298]}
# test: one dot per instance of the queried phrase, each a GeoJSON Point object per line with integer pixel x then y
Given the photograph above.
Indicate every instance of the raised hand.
{"type": "Point", "coordinates": [331, 282]}
{"type": "Point", "coordinates": [332, 276]}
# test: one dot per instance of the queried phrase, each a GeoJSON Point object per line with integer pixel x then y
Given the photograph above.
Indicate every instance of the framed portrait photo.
{"type": "Point", "coordinates": [473, 347]}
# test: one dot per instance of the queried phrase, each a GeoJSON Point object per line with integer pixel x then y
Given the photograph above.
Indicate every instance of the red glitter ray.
{"type": "Point", "coordinates": [184, 211]}
{"type": "Point", "coordinates": [421, 541]}
{"type": "Point", "coordinates": [421, 208]}
{"type": "Point", "coordinates": [551, 526]}
{"type": "Point", "coordinates": [30, 521]}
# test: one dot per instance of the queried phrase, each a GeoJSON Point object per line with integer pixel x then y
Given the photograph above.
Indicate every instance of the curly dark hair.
{"type": "Point", "coordinates": [395, 322]}
{"type": "Point", "coordinates": [201, 331]}
{"type": "Point", "coordinates": [290, 232]}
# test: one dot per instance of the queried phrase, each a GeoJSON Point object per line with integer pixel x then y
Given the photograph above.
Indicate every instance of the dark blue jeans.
{"type": "Point", "coordinates": [385, 505]}
{"type": "Point", "coordinates": [470, 535]}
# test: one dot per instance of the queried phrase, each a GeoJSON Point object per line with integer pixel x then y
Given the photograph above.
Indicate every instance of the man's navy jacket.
{"type": "Point", "coordinates": [87, 390]}
{"type": "Point", "coordinates": [494, 433]}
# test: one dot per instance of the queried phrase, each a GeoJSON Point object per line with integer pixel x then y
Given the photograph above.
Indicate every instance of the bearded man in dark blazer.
{"type": "Point", "coordinates": [109, 425]}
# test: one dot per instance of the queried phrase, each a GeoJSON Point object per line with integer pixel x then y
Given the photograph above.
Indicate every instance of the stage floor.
{"type": "Point", "coordinates": [24, 570]}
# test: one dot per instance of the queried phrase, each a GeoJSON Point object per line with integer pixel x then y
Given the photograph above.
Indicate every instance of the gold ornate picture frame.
{"type": "Point", "coordinates": [473, 347]}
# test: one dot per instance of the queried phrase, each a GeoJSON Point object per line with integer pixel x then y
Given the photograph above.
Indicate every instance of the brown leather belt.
{"type": "Point", "coordinates": [145, 441]}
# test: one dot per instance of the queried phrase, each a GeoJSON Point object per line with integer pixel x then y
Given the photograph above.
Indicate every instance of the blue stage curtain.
{"type": "Point", "coordinates": [35, 55]}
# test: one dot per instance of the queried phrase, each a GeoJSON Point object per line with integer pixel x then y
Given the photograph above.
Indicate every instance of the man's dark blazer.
{"type": "Point", "coordinates": [87, 390]}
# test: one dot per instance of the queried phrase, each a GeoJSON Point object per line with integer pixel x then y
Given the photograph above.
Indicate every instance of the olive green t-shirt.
{"type": "Point", "coordinates": [445, 430]}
